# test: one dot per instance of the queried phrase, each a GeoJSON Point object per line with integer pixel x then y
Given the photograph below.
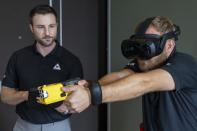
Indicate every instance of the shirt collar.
{"type": "Point", "coordinates": [53, 52]}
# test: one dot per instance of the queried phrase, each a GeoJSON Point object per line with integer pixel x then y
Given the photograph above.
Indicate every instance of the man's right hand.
{"type": "Point", "coordinates": [13, 97]}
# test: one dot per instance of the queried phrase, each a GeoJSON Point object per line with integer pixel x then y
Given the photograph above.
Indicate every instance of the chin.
{"type": "Point", "coordinates": [46, 44]}
{"type": "Point", "coordinates": [143, 66]}
{"type": "Point", "coordinates": [147, 65]}
{"type": "Point", "coordinates": [144, 69]}
{"type": "Point", "coordinates": [153, 63]}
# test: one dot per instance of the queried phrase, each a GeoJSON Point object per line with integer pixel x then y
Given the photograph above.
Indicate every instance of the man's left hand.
{"type": "Point", "coordinates": [79, 99]}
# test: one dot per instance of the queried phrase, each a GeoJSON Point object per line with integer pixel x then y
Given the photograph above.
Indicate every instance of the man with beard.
{"type": "Point", "coordinates": [44, 62]}
{"type": "Point", "coordinates": [164, 77]}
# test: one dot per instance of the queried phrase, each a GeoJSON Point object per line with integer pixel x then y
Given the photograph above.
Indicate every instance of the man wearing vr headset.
{"type": "Point", "coordinates": [164, 77]}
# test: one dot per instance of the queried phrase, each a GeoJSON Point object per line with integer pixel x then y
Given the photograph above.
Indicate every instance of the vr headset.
{"type": "Point", "coordinates": [146, 46]}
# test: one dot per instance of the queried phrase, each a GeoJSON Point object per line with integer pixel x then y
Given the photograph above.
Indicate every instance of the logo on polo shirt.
{"type": "Point", "coordinates": [168, 64]}
{"type": "Point", "coordinates": [57, 67]}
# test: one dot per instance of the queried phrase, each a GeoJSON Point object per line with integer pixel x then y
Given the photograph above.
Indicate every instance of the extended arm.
{"type": "Point", "coordinates": [128, 87]}
{"type": "Point", "coordinates": [13, 97]}
{"type": "Point", "coordinates": [136, 85]}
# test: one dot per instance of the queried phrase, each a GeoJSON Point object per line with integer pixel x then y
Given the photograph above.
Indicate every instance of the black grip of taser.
{"type": "Point", "coordinates": [33, 94]}
{"type": "Point", "coordinates": [71, 81]}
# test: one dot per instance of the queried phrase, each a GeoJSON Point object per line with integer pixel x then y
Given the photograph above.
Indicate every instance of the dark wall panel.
{"type": "Point", "coordinates": [80, 36]}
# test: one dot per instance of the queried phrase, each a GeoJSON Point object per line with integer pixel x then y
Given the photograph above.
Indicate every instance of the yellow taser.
{"type": "Point", "coordinates": [53, 93]}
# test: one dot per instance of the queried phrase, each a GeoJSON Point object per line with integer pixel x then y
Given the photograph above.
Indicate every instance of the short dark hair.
{"type": "Point", "coordinates": [41, 9]}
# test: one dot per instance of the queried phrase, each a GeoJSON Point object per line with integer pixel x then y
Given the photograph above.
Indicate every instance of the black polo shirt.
{"type": "Point", "coordinates": [29, 69]}
{"type": "Point", "coordinates": [173, 110]}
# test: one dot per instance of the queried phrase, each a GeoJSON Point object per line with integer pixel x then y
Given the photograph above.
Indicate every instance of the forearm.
{"type": "Point", "coordinates": [12, 96]}
{"type": "Point", "coordinates": [124, 89]}
{"type": "Point", "coordinates": [114, 76]}
{"type": "Point", "coordinates": [136, 85]}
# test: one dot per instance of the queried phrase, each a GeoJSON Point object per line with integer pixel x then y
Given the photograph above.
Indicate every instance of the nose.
{"type": "Point", "coordinates": [47, 31]}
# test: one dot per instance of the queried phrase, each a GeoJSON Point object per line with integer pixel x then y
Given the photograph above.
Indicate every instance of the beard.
{"type": "Point", "coordinates": [46, 41]}
{"type": "Point", "coordinates": [153, 63]}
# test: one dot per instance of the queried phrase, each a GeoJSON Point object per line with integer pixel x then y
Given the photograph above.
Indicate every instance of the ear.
{"type": "Point", "coordinates": [31, 27]}
{"type": "Point", "coordinates": [170, 45]}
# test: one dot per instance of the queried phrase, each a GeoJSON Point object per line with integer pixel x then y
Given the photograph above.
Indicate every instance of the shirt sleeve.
{"type": "Point", "coordinates": [183, 71]}
{"type": "Point", "coordinates": [10, 78]}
